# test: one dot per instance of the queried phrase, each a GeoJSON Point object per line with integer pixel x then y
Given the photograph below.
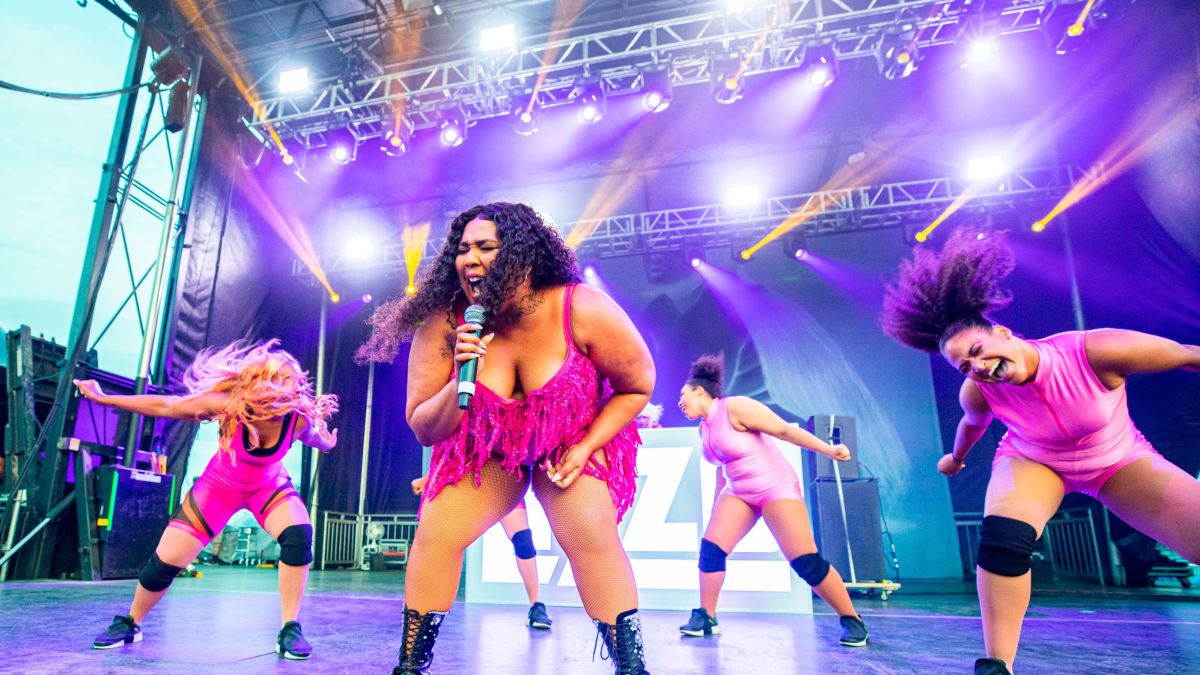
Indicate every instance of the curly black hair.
{"type": "Point", "coordinates": [530, 248]}
{"type": "Point", "coordinates": [708, 373]}
{"type": "Point", "coordinates": [939, 295]}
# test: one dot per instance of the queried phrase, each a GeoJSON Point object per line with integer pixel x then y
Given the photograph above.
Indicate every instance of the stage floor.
{"type": "Point", "coordinates": [226, 622]}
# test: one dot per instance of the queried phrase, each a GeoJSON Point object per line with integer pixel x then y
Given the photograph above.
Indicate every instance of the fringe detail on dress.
{"type": "Point", "coordinates": [538, 431]}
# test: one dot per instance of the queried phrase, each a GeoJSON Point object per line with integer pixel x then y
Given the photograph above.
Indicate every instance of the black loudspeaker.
{"type": "Point", "coordinates": [842, 430]}
{"type": "Point", "coordinates": [862, 517]}
{"type": "Point", "coordinates": [135, 507]}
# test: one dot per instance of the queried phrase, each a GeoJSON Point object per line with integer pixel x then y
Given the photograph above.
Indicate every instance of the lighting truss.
{"type": "Point", "coordinates": [887, 205]}
{"type": "Point", "coordinates": [481, 83]}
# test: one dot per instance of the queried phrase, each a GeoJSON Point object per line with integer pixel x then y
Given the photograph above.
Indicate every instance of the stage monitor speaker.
{"type": "Point", "coordinates": [135, 507]}
{"type": "Point", "coordinates": [862, 517]}
{"type": "Point", "coordinates": [841, 429]}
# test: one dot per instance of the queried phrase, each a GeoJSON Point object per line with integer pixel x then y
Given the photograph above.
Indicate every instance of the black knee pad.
{"type": "Point", "coordinates": [1005, 546]}
{"type": "Point", "coordinates": [523, 544]}
{"type": "Point", "coordinates": [811, 567]}
{"type": "Point", "coordinates": [157, 575]}
{"type": "Point", "coordinates": [295, 545]}
{"type": "Point", "coordinates": [712, 557]}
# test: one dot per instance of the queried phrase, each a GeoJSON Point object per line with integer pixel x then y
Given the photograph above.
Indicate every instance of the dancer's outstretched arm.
{"type": "Point", "coordinates": [1115, 354]}
{"type": "Point", "coordinates": [746, 414]}
{"type": "Point", "coordinates": [194, 408]}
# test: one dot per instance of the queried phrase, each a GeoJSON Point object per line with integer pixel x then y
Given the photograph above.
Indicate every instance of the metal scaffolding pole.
{"type": "Point", "coordinates": [49, 489]}
{"type": "Point", "coordinates": [163, 267]}
{"type": "Point", "coordinates": [308, 479]}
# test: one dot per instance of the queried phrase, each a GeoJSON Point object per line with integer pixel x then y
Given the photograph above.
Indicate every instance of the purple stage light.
{"type": "Point", "coordinates": [820, 76]}
{"type": "Point", "coordinates": [451, 136]}
{"type": "Point", "coordinates": [367, 298]}
{"type": "Point", "coordinates": [589, 272]}
{"type": "Point", "coordinates": [589, 113]}
{"type": "Point", "coordinates": [980, 52]}
{"type": "Point", "coordinates": [651, 100]}
{"type": "Point", "coordinates": [696, 262]}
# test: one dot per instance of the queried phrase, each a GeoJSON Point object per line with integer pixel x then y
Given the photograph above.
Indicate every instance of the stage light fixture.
{"type": "Point", "coordinates": [335, 297]}
{"type": "Point", "coordinates": [741, 196]}
{"type": "Point", "coordinates": [589, 273]}
{"type": "Point", "coordinates": [342, 146]}
{"type": "Point", "coordinates": [657, 89]}
{"type": "Point", "coordinates": [590, 99]}
{"type": "Point", "coordinates": [695, 256]}
{"type": "Point", "coordinates": [177, 107]}
{"type": "Point", "coordinates": [398, 138]}
{"type": "Point", "coordinates": [410, 289]}
{"type": "Point", "coordinates": [820, 65]}
{"type": "Point", "coordinates": [897, 53]}
{"type": "Point", "coordinates": [795, 245]}
{"type": "Point", "coordinates": [522, 110]}
{"type": "Point", "coordinates": [498, 38]}
{"type": "Point", "coordinates": [452, 126]}
{"type": "Point", "coordinates": [294, 80]}
{"type": "Point", "coordinates": [168, 68]}
{"type": "Point", "coordinates": [367, 298]}
{"type": "Point", "coordinates": [980, 52]}
{"type": "Point", "coordinates": [985, 168]}
{"type": "Point", "coordinates": [725, 78]}
{"type": "Point", "coordinates": [358, 248]}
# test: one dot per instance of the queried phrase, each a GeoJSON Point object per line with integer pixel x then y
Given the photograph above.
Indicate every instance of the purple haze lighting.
{"type": "Point", "coordinates": [652, 100]}
{"type": "Point", "coordinates": [801, 254]}
{"type": "Point", "coordinates": [696, 262]}
{"type": "Point", "coordinates": [589, 272]}
{"type": "Point", "coordinates": [367, 298]}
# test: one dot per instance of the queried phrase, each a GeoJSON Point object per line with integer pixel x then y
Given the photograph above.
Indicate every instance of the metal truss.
{"type": "Point", "coordinates": [767, 40]}
{"type": "Point", "coordinates": [887, 205]}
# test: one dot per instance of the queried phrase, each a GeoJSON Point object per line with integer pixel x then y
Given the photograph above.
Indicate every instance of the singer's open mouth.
{"type": "Point", "coordinates": [474, 284]}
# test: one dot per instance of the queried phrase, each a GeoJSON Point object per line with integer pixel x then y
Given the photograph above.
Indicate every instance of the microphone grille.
{"type": "Point", "coordinates": [475, 314]}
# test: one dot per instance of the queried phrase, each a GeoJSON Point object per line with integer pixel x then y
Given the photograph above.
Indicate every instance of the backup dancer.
{"type": "Point", "coordinates": [566, 373]}
{"type": "Point", "coordinates": [755, 481]}
{"type": "Point", "coordinates": [263, 402]}
{"type": "Point", "coordinates": [1064, 403]}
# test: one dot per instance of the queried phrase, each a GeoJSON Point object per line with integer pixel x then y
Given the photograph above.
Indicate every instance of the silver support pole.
{"type": "Point", "coordinates": [837, 475]}
{"type": "Point", "coordinates": [360, 523]}
{"type": "Point", "coordinates": [163, 266]}
{"type": "Point", "coordinates": [319, 386]}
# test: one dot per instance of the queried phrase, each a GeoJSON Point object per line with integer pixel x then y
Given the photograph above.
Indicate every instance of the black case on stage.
{"type": "Point", "coordinates": [134, 508]}
{"type": "Point", "coordinates": [863, 518]}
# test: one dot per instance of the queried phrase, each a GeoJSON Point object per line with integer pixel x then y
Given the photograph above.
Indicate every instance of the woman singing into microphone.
{"type": "Point", "coordinates": [566, 373]}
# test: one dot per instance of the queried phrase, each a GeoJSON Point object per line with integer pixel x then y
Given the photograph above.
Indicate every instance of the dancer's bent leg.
{"type": "Point", "coordinates": [788, 520]}
{"type": "Point", "coordinates": [732, 519]}
{"type": "Point", "coordinates": [288, 524]}
{"type": "Point", "coordinates": [1020, 492]}
{"type": "Point", "coordinates": [1159, 499]}
{"type": "Point", "coordinates": [516, 523]}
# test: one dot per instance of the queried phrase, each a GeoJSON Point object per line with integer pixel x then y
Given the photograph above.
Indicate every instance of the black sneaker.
{"type": "Point", "coordinates": [122, 631]}
{"type": "Point", "coordinates": [291, 643]}
{"type": "Point", "coordinates": [538, 618]}
{"type": "Point", "coordinates": [700, 624]}
{"type": "Point", "coordinates": [854, 631]}
{"type": "Point", "coordinates": [991, 666]}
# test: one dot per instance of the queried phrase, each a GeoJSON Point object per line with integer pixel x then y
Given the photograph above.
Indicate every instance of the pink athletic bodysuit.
{"type": "Point", "coordinates": [540, 428]}
{"type": "Point", "coordinates": [755, 471]}
{"type": "Point", "coordinates": [1066, 418]}
{"type": "Point", "coordinates": [258, 482]}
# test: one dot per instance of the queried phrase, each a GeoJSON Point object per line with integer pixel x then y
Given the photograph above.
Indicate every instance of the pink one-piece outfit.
{"type": "Point", "coordinates": [755, 471]}
{"type": "Point", "coordinates": [539, 429]}
{"type": "Point", "coordinates": [1066, 419]}
{"type": "Point", "coordinates": [257, 482]}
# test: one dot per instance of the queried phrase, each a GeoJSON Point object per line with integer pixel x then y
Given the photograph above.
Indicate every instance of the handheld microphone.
{"type": "Point", "coordinates": [466, 372]}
